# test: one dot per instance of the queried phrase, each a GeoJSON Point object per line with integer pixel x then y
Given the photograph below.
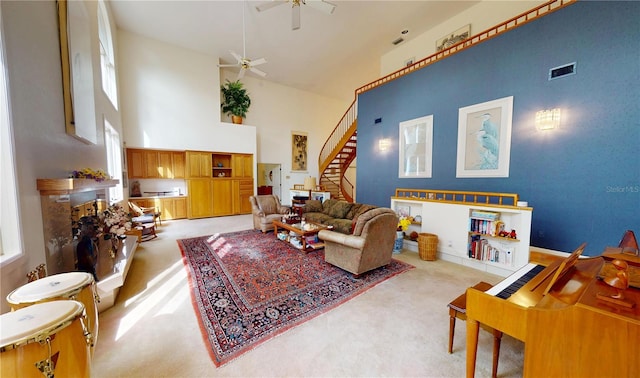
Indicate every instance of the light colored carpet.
{"type": "Point", "coordinates": [399, 328]}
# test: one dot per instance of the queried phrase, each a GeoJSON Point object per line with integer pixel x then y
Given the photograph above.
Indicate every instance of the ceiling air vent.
{"type": "Point", "coordinates": [398, 41]}
{"type": "Point", "coordinates": [562, 71]}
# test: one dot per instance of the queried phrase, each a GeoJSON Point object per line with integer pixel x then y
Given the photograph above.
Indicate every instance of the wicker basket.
{"type": "Point", "coordinates": [427, 246]}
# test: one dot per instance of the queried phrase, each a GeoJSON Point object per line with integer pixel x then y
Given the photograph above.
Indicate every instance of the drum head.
{"type": "Point", "coordinates": [26, 324]}
{"type": "Point", "coordinates": [49, 287]}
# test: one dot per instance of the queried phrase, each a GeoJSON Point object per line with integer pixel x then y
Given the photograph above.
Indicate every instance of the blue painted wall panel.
{"type": "Point", "coordinates": [583, 179]}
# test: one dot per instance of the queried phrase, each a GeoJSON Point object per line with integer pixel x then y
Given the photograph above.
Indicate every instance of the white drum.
{"type": "Point", "coordinates": [45, 339]}
{"type": "Point", "coordinates": [79, 286]}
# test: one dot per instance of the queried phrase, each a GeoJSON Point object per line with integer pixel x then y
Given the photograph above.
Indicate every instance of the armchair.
{"type": "Point", "coordinates": [265, 209]}
{"type": "Point", "coordinates": [369, 247]}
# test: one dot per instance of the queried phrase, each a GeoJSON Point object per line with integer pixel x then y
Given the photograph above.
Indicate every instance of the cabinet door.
{"type": "Point", "coordinates": [178, 160]}
{"type": "Point", "coordinates": [198, 164]}
{"type": "Point", "coordinates": [222, 197]}
{"type": "Point", "coordinates": [243, 165]}
{"type": "Point", "coordinates": [180, 211]}
{"type": "Point", "coordinates": [242, 190]}
{"type": "Point", "coordinates": [151, 164]}
{"type": "Point", "coordinates": [165, 164]}
{"type": "Point", "coordinates": [135, 163]}
{"type": "Point", "coordinates": [168, 208]}
{"type": "Point", "coordinates": [200, 204]}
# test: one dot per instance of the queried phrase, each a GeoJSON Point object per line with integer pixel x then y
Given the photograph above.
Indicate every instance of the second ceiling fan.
{"type": "Point", "coordinates": [320, 5]}
{"type": "Point", "coordinates": [242, 61]}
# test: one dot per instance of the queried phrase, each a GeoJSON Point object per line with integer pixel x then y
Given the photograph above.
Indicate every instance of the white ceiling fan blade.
{"type": "Point", "coordinates": [258, 72]}
{"type": "Point", "coordinates": [241, 73]}
{"type": "Point", "coordinates": [228, 65]}
{"type": "Point", "coordinates": [238, 57]}
{"type": "Point", "coordinates": [295, 17]}
{"type": "Point", "coordinates": [258, 62]}
{"type": "Point", "coordinates": [265, 6]}
{"type": "Point", "coordinates": [321, 5]}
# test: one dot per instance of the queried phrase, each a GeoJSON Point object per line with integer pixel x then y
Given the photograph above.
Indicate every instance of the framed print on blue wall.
{"type": "Point", "coordinates": [484, 139]}
{"type": "Point", "coordinates": [415, 147]}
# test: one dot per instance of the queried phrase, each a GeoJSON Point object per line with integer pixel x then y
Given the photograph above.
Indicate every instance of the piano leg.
{"type": "Point", "coordinates": [473, 326]}
{"type": "Point", "coordinates": [497, 338]}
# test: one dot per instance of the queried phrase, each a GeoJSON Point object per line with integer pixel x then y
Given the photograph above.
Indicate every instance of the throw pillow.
{"type": "Point", "coordinates": [339, 209]}
{"type": "Point", "coordinates": [313, 206]}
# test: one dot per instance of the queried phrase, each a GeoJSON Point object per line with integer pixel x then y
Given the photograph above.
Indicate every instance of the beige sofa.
{"type": "Point", "coordinates": [265, 209]}
{"type": "Point", "coordinates": [369, 247]}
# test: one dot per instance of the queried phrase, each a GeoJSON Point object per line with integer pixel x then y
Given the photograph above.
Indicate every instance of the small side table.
{"type": "Point", "coordinates": [458, 309]}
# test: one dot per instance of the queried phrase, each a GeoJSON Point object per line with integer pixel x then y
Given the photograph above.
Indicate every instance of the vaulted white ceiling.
{"type": "Point", "coordinates": [331, 54]}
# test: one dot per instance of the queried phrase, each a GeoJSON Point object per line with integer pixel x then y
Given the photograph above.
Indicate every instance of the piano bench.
{"type": "Point", "coordinates": [458, 309]}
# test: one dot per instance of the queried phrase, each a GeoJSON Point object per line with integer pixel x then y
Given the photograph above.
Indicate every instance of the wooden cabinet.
{"type": "Point", "coordinates": [178, 160]}
{"type": "Point", "coordinates": [180, 208]}
{"type": "Point", "coordinates": [242, 165]}
{"type": "Point", "coordinates": [170, 207]}
{"type": "Point", "coordinates": [230, 178]}
{"type": "Point", "coordinates": [200, 203]}
{"type": "Point", "coordinates": [198, 164]}
{"type": "Point", "coordinates": [222, 197]}
{"type": "Point", "coordinates": [242, 190]}
{"type": "Point", "coordinates": [143, 163]}
{"type": "Point", "coordinates": [136, 163]}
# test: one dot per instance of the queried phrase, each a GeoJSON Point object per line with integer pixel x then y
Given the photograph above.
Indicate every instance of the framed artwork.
{"type": "Point", "coordinates": [299, 151]}
{"type": "Point", "coordinates": [415, 147]}
{"type": "Point", "coordinates": [77, 71]}
{"type": "Point", "coordinates": [453, 38]}
{"type": "Point", "coordinates": [484, 139]}
{"type": "Point", "coordinates": [403, 210]}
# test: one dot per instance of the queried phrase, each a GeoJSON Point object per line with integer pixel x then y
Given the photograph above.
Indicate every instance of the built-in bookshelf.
{"type": "Point", "coordinates": [483, 230]}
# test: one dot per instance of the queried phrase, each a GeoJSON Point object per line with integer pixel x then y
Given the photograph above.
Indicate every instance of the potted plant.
{"type": "Point", "coordinates": [235, 100]}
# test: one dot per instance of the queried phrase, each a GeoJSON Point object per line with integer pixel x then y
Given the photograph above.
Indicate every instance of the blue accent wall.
{"type": "Point", "coordinates": [583, 179]}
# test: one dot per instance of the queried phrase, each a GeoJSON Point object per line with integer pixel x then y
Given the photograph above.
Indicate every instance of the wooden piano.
{"type": "Point", "coordinates": [567, 331]}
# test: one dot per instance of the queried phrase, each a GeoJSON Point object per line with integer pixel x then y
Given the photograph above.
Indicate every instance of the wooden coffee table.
{"type": "Point", "coordinates": [310, 229]}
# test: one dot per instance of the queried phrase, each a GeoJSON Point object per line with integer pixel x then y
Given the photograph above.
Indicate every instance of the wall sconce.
{"type": "Point", "coordinates": [548, 119]}
{"type": "Point", "coordinates": [384, 144]}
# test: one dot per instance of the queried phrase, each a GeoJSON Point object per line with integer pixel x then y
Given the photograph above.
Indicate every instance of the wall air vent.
{"type": "Point", "coordinates": [562, 71]}
{"type": "Point", "coordinates": [398, 41]}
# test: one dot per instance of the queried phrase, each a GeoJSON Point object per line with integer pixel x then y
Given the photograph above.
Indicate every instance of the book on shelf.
{"type": "Point", "coordinates": [488, 215]}
{"type": "Point", "coordinates": [481, 249]}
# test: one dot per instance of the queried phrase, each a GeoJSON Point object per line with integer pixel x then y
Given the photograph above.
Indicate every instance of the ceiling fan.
{"type": "Point", "coordinates": [320, 5]}
{"type": "Point", "coordinates": [242, 61]}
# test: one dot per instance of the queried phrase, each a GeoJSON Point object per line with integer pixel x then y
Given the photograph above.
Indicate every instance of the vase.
{"type": "Point", "coordinates": [236, 119]}
{"type": "Point", "coordinates": [397, 246]}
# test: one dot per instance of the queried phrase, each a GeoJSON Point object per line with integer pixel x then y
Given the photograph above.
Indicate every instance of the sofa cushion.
{"type": "Point", "coordinates": [354, 209]}
{"type": "Point", "coordinates": [313, 206]}
{"type": "Point", "coordinates": [340, 225]}
{"type": "Point", "coordinates": [336, 209]}
{"type": "Point", "coordinates": [363, 209]}
{"type": "Point", "coordinates": [317, 217]}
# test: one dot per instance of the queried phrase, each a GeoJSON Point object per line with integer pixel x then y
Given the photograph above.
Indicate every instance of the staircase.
{"type": "Point", "coordinates": [339, 150]}
{"type": "Point", "coordinates": [337, 154]}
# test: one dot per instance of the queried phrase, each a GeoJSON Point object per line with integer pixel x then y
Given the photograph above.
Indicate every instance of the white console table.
{"type": "Point", "coordinates": [314, 195]}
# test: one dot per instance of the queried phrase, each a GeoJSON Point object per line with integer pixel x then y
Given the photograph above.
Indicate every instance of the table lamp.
{"type": "Point", "coordinates": [310, 183]}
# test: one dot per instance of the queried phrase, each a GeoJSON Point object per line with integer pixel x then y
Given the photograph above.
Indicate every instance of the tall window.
{"type": "Point", "coordinates": [107, 58]}
{"type": "Point", "coordinates": [10, 237]}
{"type": "Point", "coordinates": [114, 161]}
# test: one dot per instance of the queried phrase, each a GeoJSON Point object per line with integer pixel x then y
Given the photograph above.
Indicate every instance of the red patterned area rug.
{"type": "Point", "coordinates": [248, 287]}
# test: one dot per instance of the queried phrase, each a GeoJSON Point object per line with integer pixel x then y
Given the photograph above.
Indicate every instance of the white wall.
{"type": "Point", "coordinates": [171, 99]}
{"type": "Point", "coordinates": [42, 147]}
{"type": "Point", "coordinates": [276, 111]}
{"type": "Point", "coordinates": [482, 16]}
